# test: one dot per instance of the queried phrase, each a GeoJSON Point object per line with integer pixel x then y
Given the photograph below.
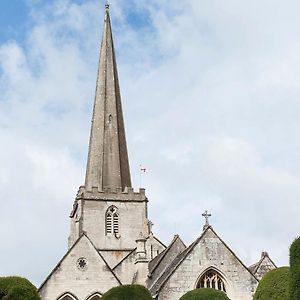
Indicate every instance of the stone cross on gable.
{"type": "Point", "coordinates": [206, 215]}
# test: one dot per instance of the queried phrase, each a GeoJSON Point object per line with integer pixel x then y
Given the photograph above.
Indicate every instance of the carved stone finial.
{"type": "Point", "coordinates": [206, 215]}
{"type": "Point", "coordinates": [107, 6]}
{"type": "Point", "coordinates": [150, 226]}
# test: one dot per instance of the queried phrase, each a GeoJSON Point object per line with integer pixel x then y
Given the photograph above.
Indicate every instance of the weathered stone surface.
{"type": "Point", "coordinates": [208, 252]}
{"type": "Point", "coordinates": [67, 277]}
{"type": "Point", "coordinates": [107, 165]}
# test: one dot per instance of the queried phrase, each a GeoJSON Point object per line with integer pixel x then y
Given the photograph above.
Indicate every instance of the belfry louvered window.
{"type": "Point", "coordinates": [213, 280]}
{"type": "Point", "coordinates": [112, 220]}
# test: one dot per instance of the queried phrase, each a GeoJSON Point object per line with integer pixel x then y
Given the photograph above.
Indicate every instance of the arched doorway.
{"type": "Point", "coordinates": [67, 296]}
{"type": "Point", "coordinates": [213, 280]}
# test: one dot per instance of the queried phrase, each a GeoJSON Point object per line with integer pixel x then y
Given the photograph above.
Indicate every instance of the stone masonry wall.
{"type": "Point", "coordinates": [210, 252]}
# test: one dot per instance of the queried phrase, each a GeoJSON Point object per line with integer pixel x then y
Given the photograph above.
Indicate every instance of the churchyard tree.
{"type": "Point", "coordinates": [274, 285]}
{"type": "Point", "coordinates": [127, 292]}
{"type": "Point", "coordinates": [295, 270]}
{"type": "Point", "coordinates": [204, 294]}
{"type": "Point", "coordinates": [16, 288]}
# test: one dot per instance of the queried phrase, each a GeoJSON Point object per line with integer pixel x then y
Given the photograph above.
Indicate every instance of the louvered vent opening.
{"type": "Point", "coordinates": [116, 223]}
{"type": "Point", "coordinates": [112, 221]}
{"type": "Point", "coordinates": [109, 223]}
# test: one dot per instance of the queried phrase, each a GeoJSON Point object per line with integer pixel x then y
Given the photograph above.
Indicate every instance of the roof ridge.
{"type": "Point", "coordinates": [183, 255]}
{"type": "Point", "coordinates": [165, 252]}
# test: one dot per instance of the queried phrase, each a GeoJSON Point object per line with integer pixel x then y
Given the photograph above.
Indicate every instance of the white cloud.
{"type": "Point", "coordinates": [210, 94]}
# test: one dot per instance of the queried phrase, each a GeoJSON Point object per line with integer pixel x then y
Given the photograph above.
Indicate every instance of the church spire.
{"type": "Point", "coordinates": [107, 165]}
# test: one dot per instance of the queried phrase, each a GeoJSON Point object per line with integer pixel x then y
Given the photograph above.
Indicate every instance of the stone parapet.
{"type": "Point", "coordinates": [109, 194]}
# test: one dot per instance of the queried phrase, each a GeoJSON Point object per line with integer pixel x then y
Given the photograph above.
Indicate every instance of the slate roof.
{"type": "Point", "coordinates": [160, 258]}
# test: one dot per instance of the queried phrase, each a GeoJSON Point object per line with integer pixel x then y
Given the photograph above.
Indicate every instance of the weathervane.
{"type": "Point", "coordinates": [143, 170]}
{"type": "Point", "coordinates": [206, 215]}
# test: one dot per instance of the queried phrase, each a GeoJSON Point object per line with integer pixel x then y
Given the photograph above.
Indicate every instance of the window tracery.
{"type": "Point", "coordinates": [112, 220]}
{"type": "Point", "coordinates": [213, 280]}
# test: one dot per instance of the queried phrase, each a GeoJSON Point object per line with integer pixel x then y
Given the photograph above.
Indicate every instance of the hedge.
{"type": "Point", "coordinates": [295, 270]}
{"type": "Point", "coordinates": [274, 285]}
{"type": "Point", "coordinates": [16, 288]}
{"type": "Point", "coordinates": [127, 292]}
{"type": "Point", "coordinates": [204, 294]}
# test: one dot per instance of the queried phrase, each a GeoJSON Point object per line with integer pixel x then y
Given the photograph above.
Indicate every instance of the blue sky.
{"type": "Point", "coordinates": [210, 95]}
{"type": "Point", "coordinates": [13, 16]}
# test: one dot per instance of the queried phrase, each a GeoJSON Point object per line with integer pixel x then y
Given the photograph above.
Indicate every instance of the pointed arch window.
{"type": "Point", "coordinates": [112, 221]}
{"type": "Point", "coordinates": [96, 296]}
{"type": "Point", "coordinates": [67, 296]}
{"type": "Point", "coordinates": [213, 280]}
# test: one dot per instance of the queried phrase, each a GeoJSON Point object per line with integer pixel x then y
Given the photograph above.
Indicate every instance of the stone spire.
{"type": "Point", "coordinates": [107, 165]}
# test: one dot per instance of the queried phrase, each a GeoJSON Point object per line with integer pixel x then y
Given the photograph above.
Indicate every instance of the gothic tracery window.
{"type": "Point", "coordinates": [112, 220]}
{"type": "Point", "coordinates": [212, 279]}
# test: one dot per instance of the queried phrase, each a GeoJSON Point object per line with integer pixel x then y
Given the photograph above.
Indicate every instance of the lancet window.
{"type": "Point", "coordinates": [112, 220]}
{"type": "Point", "coordinates": [95, 297]}
{"type": "Point", "coordinates": [67, 296]}
{"type": "Point", "coordinates": [212, 279]}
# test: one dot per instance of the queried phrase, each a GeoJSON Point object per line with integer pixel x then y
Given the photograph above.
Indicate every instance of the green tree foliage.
{"type": "Point", "coordinates": [295, 270]}
{"type": "Point", "coordinates": [274, 285]}
{"type": "Point", "coordinates": [127, 292]}
{"type": "Point", "coordinates": [204, 294]}
{"type": "Point", "coordinates": [17, 288]}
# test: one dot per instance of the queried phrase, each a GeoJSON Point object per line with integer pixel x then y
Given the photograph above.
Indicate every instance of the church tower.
{"type": "Point", "coordinates": [106, 208]}
{"type": "Point", "coordinates": [110, 231]}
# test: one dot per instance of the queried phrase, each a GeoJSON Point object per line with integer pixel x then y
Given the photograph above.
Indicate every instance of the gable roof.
{"type": "Point", "coordinates": [68, 252]}
{"type": "Point", "coordinates": [161, 281]}
{"type": "Point", "coordinates": [255, 267]}
{"type": "Point", "coordinates": [154, 263]}
{"type": "Point", "coordinates": [154, 237]}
